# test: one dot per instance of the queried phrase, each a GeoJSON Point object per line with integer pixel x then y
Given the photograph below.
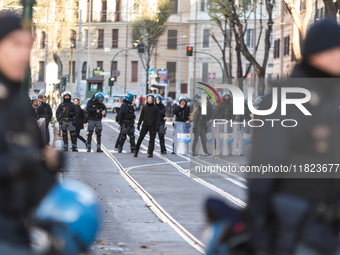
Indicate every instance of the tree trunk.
{"type": "Point", "coordinates": [330, 10]}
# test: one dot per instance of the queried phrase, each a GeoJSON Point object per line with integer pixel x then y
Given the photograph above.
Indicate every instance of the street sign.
{"type": "Point", "coordinates": [152, 71]}
{"type": "Point", "coordinates": [115, 73]}
{"type": "Point", "coordinates": [143, 85]}
{"type": "Point", "coordinates": [209, 76]}
{"type": "Point", "coordinates": [107, 49]}
{"type": "Point", "coordinates": [214, 76]}
{"type": "Point", "coordinates": [104, 73]}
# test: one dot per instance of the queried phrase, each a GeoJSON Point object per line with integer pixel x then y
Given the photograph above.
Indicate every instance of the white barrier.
{"type": "Point", "coordinates": [181, 138]}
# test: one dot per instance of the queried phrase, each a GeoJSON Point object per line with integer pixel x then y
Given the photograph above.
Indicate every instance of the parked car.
{"type": "Point", "coordinates": [113, 103]}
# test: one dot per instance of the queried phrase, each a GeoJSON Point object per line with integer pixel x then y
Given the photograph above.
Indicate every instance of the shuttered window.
{"type": "Point", "coordinates": [114, 38]}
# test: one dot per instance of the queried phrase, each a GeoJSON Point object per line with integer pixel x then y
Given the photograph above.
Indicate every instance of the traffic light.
{"type": "Point", "coordinates": [140, 48]}
{"type": "Point", "coordinates": [111, 81]}
{"type": "Point", "coordinates": [190, 51]}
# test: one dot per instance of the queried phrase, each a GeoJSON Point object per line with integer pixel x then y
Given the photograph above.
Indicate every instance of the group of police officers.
{"type": "Point", "coordinates": [152, 119]}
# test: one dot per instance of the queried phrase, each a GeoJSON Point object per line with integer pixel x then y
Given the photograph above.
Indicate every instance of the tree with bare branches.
{"type": "Point", "coordinates": [148, 28]}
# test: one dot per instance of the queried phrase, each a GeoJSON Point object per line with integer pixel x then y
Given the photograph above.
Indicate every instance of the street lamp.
{"type": "Point", "coordinates": [71, 66]}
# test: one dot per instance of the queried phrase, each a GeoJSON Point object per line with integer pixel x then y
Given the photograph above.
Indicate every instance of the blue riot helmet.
{"type": "Point", "coordinates": [70, 214]}
{"type": "Point", "coordinates": [182, 98]}
{"type": "Point", "coordinates": [129, 97]}
{"type": "Point", "coordinates": [99, 96]}
{"type": "Point", "coordinates": [67, 93]}
{"type": "Point", "coordinates": [158, 99]}
{"type": "Point", "coordinates": [150, 98]}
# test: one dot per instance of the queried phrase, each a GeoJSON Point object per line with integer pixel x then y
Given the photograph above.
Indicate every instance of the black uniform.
{"type": "Point", "coordinates": [95, 122]}
{"type": "Point", "coordinates": [162, 128]}
{"type": "Point", "coordinates": [200, 127]}
{"type": "Point", "coordinates": [67, 116]}
{"type": "Point", "coordinates": [24, 178]}
{"type": "Point", "coordinates": [315, 140]}
{"type": "Point", "coordinates": [80, 123]}
{"type": "Point", "coordinates": [126, 119]}
{"type": "Point", "coordinates": [44, 111]}
{"type": "Point", "coordinates": [150, 117]}
{"type": "Point", "coordinates": [182, 114]}
{"type": "Point", "coordinates": [225, 111]}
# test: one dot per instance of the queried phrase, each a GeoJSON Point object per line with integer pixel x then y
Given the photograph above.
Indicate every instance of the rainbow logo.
{"type": "Point", "coordinates": [209, 93]}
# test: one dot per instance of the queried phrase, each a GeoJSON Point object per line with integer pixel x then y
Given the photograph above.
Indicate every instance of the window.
{"type": "Point", "coordinates": [100, 65]}
{"type": "Point", "coordinates": [100, 38]}
{"type": "Point", "coordinates": [114, 68]}
{"type": "Point", "coordinates": [43, 40]}
{"type": "Point", "coordinates": [277, 48]}
{"type": "Point", "coordinates": [171, 67]}
{"type": "Point", "coordinates": [134, 71]}
{"type": "Point", "coordinates": [174, 5]}
{"type": "Point", "coordinates": [86, 38]}
{"type": "Point", "coordinates": [172, 39]}
{"type": "Point", "coordinates": [117, 13]}
{"type": "Point", "coordinates": [114, 38]}
{"type": "Point", "coordinates": [103, 12]}
{"type": "Point", "coordinates": [286, 46]}
{"type": "Point", "coordinates": [42, 71]}
{"type": "Point", "coordinates": [249, 38]}
{"type": "Point", "coordinates": [205, 70]}
{"type": "Point", "coordinates": [83, 71]}
{"type": "Point", "coordinates": [202, 5]}
{"type": "Point", "coordinates": [205, 38]}
{"type": "Point", "coordinates": [302, 5]}
{"type": "Point", "coordinates": [73, 38]}
{"type": "Point", "coordinates": [73, 68]}
{"type": "Point", "coordinates": [228, 38]}
{"type": "Point", "coordinates": [184, 88]}
{"type": "Point", "coordinates": [87, 10]}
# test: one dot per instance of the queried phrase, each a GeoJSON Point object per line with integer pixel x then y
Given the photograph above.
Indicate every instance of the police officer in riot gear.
{"type": "Point", "coordinates": [126, 118]}
{"type": "Point", "coordinates": [150, 117]}
{"type": "Point", "coordinates": [162, 128]}
{"type": "Point", "coordinates": [225, 111]}
{"type": "Point", "coordinates": [67, 116]}
{"type": "Point", "coordinates": [96, 111]}
{"type": "Point", "coordinates": [182, 111]}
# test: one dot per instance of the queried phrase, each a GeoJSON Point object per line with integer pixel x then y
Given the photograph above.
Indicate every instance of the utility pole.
{"type": "Point", "coordinates": [281, 43]}
{"type": "Point", "coordinates": [27, 23]}
{"type": "Point", "coordinates": [88, 41]}
{"type": "Point", "coordinates": [71, 67]}
{"type": "Point", "coordinates": [79, 54]}
{"type": "Point", "coordinates": [178, 89]}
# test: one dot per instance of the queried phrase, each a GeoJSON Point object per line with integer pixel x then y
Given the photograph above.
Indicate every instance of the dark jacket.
{"type": "Point", "coordinates": [225, 111]}
{"type": "Point", "coordinates": [150, 116]}
{"type": "Point", "coordinates": [315, 140]}
{"type": "Point", "coordinates": [162, 111]}
{"type": "Point", "coordinates": [201, 120]}
{"type": "Point", "coordinates": [182, 114]}
{"type": "Point", "coordinates": [80, 121]}
{"type": "Point", "coordinates": [126, 112]}
{"type": "Point", "coordinates": [24, 178]}
{"type": "Point", "coordinates": [67, 111]}
{"type": "Point", "coordinates": [92, 107]}
{"type": "Point", "coordinates": [45, 111]}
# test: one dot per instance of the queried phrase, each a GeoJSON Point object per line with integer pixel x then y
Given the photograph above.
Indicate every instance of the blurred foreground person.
{"type": "Point", "coordinates": [299, 213]}
{"type": "Point", "coordinates": [27, 166]}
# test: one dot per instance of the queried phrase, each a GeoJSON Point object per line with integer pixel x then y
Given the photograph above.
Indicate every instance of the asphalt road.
{"type": "Point", "coordinates": [128, 225]}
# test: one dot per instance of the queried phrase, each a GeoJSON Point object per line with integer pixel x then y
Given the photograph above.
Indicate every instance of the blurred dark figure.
{"type": "Point", "coordinates": [300, 216]}
{"type": "Point", "coordinates": [200, 128]}
{"type": "Point", "coordinates": [80, 121]}
{"type": "Point", "coordinates": [225, 111]}
{"type": "Point", "coordinates": [45, 111]}
{"type": "Point", "coordinates": [27, 165]}
{"type": "Point", "coordinates": [35, 105]}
